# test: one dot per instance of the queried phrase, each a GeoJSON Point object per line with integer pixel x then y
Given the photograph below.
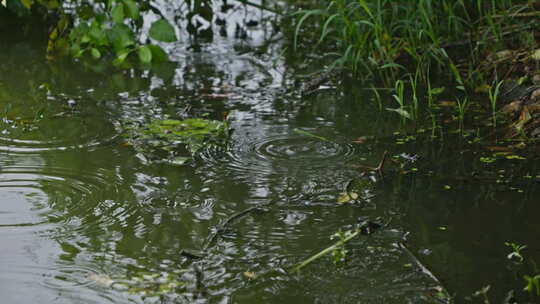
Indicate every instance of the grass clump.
{"type": "Point", "coordinates": [388, 38]}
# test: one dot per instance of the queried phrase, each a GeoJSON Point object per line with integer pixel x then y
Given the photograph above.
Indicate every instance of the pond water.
{"type": "Point", "coordinates": [85, 218]}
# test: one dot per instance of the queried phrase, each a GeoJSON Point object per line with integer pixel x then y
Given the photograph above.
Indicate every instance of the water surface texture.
{"type": "Point", "coordinates": [85, 218]}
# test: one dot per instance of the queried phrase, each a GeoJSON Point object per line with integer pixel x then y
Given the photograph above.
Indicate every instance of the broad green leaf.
{"type": "Point", "coordinates": [145, 54]}
{"type": "Point", "coordinates": [97, 35]}
{"type": "Point", "coordinates": [131, 9]}
{"type": "Point", "coordinates": [85, 39]}
{"type": "Point", "coordinates": [121, 37]}
{"type": "Point", "coordinates": [118, 13]}
{"type": "Point", "coordinates": [158, 54]}
{"type": "Point", "coordinates": [162, 30]}
{"type": "Point", "coordinates": [121, 57]}
{"type": "Point", "coordinates": [95, 53]}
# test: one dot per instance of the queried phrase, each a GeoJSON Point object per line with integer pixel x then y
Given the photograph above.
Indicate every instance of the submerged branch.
{"type": "Point", "coordinates": [212, 237]}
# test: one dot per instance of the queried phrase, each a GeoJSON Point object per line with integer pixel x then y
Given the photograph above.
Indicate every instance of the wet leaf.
{"type": "Point", "coordinates": [162, 30]}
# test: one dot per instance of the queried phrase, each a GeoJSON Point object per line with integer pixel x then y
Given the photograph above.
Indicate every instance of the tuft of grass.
{"type": "Point", "coordinates": [387, 39]}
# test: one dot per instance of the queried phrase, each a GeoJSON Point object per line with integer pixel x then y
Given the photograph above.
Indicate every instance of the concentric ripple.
{"type": "Point", "coordinates": [48, 213]}
{"type": "Point", "coordinates": [287, 166]}
{"type": "Point", "coordinates": [35, 195]}
{"type": "Point", "coordinates": [279, 153]}
{"type": "Point", "coordinates": [301, 150]}
{"type": "Point", "coordinates": [58, 135]}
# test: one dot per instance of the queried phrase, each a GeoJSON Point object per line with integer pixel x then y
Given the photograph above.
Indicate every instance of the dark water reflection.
{"type": "Point", "coordinates": [84, 220]}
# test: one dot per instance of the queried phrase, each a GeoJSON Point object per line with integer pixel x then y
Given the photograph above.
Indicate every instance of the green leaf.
{"type": "Point", "coordinates": [436, 91]}
{"type": "Point", "coordinates": [402, 112]}
{"type": "Point", "coordinates": [121, 37]}
{"type": "Point", "coordinates": [131, 9]}
{"type": "Point", "coordinates": [145, 54]}
{"type": "Point", "coordinates": [162, 30]}
{"type": "Point", "coordinates": [158, 54]}
{"type": "Point", "coordinates": [27, 3]}
{"type": "Point", "coordinates": [97, 35]}
{"type": "Point", "coordinates": [95, 53]}
{"type": "Point", "coordinates": [118, 13]}
{"type": "Point", "coordinates": [121, 57]}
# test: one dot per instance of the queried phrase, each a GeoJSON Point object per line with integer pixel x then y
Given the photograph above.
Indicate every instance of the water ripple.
{"type": "Point", "coordinates": [72, 133]}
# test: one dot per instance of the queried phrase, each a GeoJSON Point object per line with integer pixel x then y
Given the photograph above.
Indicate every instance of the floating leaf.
{"type": "Point", "coordinates": [162, 30]}
{"type": "Point", "coordinates": [174, 141]}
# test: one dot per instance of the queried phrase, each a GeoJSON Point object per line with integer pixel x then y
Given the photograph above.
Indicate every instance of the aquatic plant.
{"type": "Point", "coordinates": [369, 35]}
{"type": "Point", "coordinates": [399, 96]}
{"type": "Point", "coordinates": [493, 94]}
{"type": "Point", "coordinates": [533, 284]}
{"type": "Point", "coordinates": [176, 140]}
{"type": "Point", "coordinates": [339, 253]}
{"type": "Point", "coordinates": [516, 251]}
